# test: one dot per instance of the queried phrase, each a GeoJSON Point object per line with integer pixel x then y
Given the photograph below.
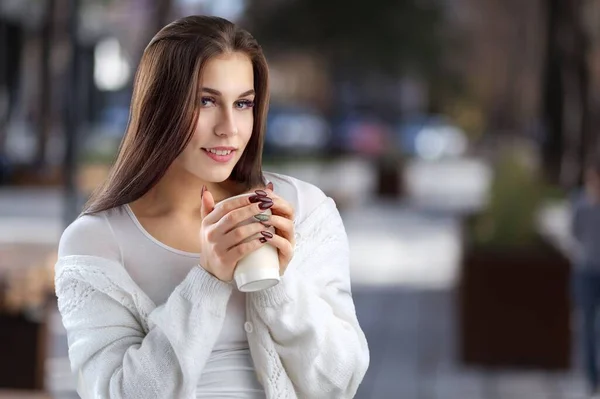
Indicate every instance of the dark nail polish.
{"type": "Point", "coordinates": [270, 186]}
{"type": "Point", "coordinates": [265, 199]}
{"type": "Point", "coordinates": [261, 217]}
{"type": "Point", "coordinates": [266, 234]}
{"type": "Point", "coordinates": [265, 205]}
{"type": "Point", "coordinates": [261, 193]}
{"type": "Point", "coordinates": [262, 239]}
{"type": "Point", "coordinates": [255, 198]}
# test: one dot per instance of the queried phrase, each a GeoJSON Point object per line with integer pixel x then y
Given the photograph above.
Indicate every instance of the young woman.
{"type": "Point", "coordinates": [144, 274]}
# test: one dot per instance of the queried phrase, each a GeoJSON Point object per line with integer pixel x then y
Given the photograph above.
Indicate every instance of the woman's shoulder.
{"type": "Point", "coordinates": [89, 235]}
{"type": "Point", "coordinates": [304, 197]}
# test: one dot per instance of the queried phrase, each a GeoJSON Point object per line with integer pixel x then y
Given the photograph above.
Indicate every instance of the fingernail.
{"type": "Point", "coordinates": [262, 239]}
{"type": "Point", "coordinates": [270, 186]}
{"type": "Point", "coordinates": [202, 192]}
{"type": "Point", "coordinates": [265, 205]}
{"type": "Point", "coordinates": [261, 217]}
{"type": "Point", "coordinates": [256, 198]}
{"type": "Point", "coordinates": [266, 234]}
{"type": "Point", "coordinates": [261, 193]}
{"type": "Point", "coordinates": [267, 225]}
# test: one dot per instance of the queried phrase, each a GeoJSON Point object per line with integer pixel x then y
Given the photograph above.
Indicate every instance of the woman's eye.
{"type": "Point", "coordinates": [244, 104]}
{"type": "Point", "coordinates": [207, 101]}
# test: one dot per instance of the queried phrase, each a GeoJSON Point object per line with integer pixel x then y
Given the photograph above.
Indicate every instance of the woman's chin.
{"type": "Point", "coordinates": [215, 176]}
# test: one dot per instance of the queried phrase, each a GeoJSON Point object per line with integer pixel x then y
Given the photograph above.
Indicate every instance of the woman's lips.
{"type": "Point", "coordinates": [221, 157]}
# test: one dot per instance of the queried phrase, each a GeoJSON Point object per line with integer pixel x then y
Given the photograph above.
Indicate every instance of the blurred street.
{"type": "Point", "coordinates": [405, 260]}
{"type": "Point", "coordinates": [458, 139]}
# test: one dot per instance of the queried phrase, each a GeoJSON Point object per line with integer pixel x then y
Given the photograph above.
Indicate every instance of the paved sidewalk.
{"type": "Point", "coordinates": [412, 338]}
{"type": "Point", "coordinates": [411, 335]}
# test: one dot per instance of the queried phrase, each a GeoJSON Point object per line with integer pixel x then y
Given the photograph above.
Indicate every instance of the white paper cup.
{"type": "Point", "coordinates": [259, 269]}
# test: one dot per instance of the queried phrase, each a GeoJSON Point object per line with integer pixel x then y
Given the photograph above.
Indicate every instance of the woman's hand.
{"type": "Point", "coordinates": [222, 241]}
{"type": "Point", "coordinates": [282, 220]}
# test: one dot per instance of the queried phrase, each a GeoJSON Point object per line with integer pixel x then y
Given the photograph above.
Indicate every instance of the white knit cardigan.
{"type": "Point", "coordinates": [303, 334]}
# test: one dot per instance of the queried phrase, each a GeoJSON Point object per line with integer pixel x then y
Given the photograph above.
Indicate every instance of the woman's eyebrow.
{"type": "Point", "coordinates": [218, 93]}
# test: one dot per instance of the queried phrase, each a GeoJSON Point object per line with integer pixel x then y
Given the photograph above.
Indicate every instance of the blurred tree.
{"type": "Point", "coordinates": [11, 46]}
{"type": "Point", "coordinates": [569, 138]}
{"type": "Point", "coordinates": [44, 122]}
{"type": "Point", "coordinates": [368, 47]}
{"type": "Point", "coordinates": [359, 39]}
{"type": "Point", "coordinates": [499, 58]}
{"type": "Point", "coordinates": [157, 15]}
{"type": "Point", "coordinates": [162, 16]}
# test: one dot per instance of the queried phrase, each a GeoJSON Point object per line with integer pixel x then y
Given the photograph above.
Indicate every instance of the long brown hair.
{"type": "Point", "coordinates": [164, 113]}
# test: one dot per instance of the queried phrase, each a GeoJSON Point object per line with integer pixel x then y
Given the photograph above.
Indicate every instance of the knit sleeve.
{"type": "Point", "coordinates": [116, 351]}
{"type": "Point", "coordinates": [310, 315]}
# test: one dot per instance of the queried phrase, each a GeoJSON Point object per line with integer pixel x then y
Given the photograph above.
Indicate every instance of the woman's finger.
{"type": "Point", "coordinates": [241, 234]}
{"type": "Point", "coordinates": [226, 207]}
{"type": "Point", "coordinates": [208, 202]}
{"type": "Point", "coordinates": [231, 220]}
{"type": "Point", "coordinates": [239, 251]}
{"type": "Point", "coordinates": [283, 226]}
{"type": "Point", "coordinates": [281, 207]}
{"type": "Point", "coordinates": [286, 249]}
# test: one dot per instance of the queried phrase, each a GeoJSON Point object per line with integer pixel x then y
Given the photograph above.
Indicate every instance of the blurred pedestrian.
{"type": "Point", "coordinates": [144, 276]}
{"type": "Point", "coordinates": [586, 270]}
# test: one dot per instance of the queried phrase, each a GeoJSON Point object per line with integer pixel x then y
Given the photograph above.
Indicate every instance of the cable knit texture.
{"type": "Point", "coordinates": [305, 339]}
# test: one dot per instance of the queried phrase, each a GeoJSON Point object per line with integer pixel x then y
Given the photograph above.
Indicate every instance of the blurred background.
{"type": "Point", "coordinates": [451, 133]}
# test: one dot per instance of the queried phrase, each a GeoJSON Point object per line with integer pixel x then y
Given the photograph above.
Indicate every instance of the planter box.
{"type": "Point", "coordinates": [23, 349]}
{"type": "Point", "coordinates": [514, 309]}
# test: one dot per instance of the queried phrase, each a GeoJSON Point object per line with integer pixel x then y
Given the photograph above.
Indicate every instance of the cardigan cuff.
{"type": "Point", "coordinates": [202, 287]}
{"type": "Point", "coordinates": [280, 294]}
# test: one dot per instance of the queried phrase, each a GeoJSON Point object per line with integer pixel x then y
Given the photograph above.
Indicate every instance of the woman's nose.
{"type": "Point", "coordinates": [227, 125]}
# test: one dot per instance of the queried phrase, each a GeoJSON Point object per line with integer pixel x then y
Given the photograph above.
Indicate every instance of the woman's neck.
{"type": "Point", "coordinates": [179, 193]}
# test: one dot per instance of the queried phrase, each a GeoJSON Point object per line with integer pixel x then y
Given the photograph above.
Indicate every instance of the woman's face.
{"type": "Point", "coordinates": [225, 118]}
